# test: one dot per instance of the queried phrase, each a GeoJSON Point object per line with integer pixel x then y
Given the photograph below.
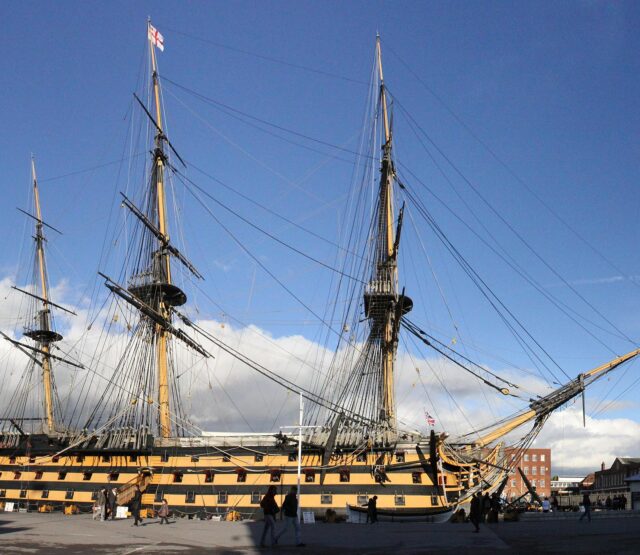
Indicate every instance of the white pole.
{"type": "Point", "coordinates": [300, 455]}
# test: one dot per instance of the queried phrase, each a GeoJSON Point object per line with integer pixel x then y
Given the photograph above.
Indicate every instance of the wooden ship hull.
{"type": "Point", "coordinates": [214, 477]}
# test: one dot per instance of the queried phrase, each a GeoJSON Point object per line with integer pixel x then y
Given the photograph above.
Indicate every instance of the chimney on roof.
{"type": "Point", "coordinates": [602, 466]}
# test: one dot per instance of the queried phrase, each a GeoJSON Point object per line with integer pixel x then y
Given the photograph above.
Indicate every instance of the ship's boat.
{"type": "Point", "coordinates": [57, 451]}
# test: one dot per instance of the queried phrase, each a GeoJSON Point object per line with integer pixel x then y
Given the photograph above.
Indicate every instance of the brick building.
{"type": "Point", "coordinates": [536, 466]}
{"type": "Point", "coordinates": [613, 480]}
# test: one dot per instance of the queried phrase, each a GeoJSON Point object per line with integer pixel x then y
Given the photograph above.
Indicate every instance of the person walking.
{"type": "Point", "coordinates": [102, 503]}
{"type": "Point", "coordinates": [372, 509]}
{"type": "Point", "coordinates": [270, 509]}
{"type": "Point", "coordinates": [586, 503]}
{"type": "Point", "coordinates": [96, 509]}
{"type": "Point", "coordinates": [136, 504]}
{"type": "Point", "coordinates": [475, 511]}
{"type": "Point", "coordinates": [113, 502]}
{"type": "Point", "coordinates": [486, 507]}
{"type": "Point", "coordinates": [163, 513]}
{"type": "Point", "coordinates": [290, 510]}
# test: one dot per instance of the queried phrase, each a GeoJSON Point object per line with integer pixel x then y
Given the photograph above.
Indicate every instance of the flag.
{"type": "Point", "coordinates": [156, 38]}
{"type": "Point", "coordinates": [431, 421]}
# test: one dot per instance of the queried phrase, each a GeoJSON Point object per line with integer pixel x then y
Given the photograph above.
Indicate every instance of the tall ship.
{"type": "Point", "coordinates": [124, 424]}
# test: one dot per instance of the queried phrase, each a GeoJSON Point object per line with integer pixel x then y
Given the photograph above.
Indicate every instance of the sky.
{"type": "Point", "coordinates": [534, 106]}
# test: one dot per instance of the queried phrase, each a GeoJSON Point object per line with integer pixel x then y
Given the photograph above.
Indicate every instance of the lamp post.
{"type": "Point", "coordinates": [299, 427]}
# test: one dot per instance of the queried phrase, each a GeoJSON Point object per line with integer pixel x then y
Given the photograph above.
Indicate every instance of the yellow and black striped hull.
{"type": "Point", "coordinates": [197, 478]}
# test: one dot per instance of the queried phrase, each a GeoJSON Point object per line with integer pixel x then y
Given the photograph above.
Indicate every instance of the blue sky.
{"type": "Point", "coordinates": [551, 88]}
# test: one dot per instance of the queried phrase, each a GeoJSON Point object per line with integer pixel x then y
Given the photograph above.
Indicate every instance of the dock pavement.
{"type": "Point", "coordinates": [57, 534]}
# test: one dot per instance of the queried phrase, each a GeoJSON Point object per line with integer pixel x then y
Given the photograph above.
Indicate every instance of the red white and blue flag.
{"type": "Point", "coordinates": [431, 421]}
{"type": "Point", "coordinates": [156, 38]}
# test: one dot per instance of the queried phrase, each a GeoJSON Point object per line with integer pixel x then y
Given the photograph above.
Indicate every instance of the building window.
{"type": "Point", "coordinates": [345, 475]}
{"type": "Point", "coordinates": [45, 494]}
{"type": "Point", "coordinates": [62, 475]}
{"type": "Point", "coordinates": [416, 477]}
{"type": "Point", "coordinates": [258, 458]}
{"type": "Point", "coordinates": [242, 476]}
{"type": "Point", "coordinates": [177, 477]}
{"type": "Point", "coordinates": [86, 475]}
{"type": "Point", "coordinates": [534, 470]}
{"type": "Point", "coordinates": [208, 476]}
{"type": "Point", "coordinates": [533, 483]}
{"type": "Point", "coordinates": [362, 500]}
{"type": "Point", "coordinates": [69, 494]}
{"type": "Point", "coordinates": [400, 456]}
{"type": "Point", "coordinates": [309, 477]}
{"type": "Point", "coordinates": [526, 470]}
{"type": "Point", "coordinates": [255, 498]}
{"type": "Point", "coordinates": [292, 457]}
{"type": "Point", "coordinates": [275, 475]}
{"type": "Point", "coordinates": [542, 470]}
{"type": "Point", "coordinates": [326, 499]}
{"type": "Point", "coordinates": [542, 458]}
{"type": "Point", "coordinates": [39, 475]}
{"type": "Point", "coordinates": [362, 457]}
{"type": "Point", "coordinates": [534, 458]}
{"type": "Point", "coordinates": [223, 498]}
{"type": "Point", "coordinates": [190, 497]}
{"type": "Point", "coordinates": [23, 493]}
{"type": "Point", "coordinates": [513, 483]}
{"type": "Point", "coordinates": [399, 500]}
{"type": "Point", "coordinates": [542, 483]}
{"type": "Point", "coordinates": [526, 457]}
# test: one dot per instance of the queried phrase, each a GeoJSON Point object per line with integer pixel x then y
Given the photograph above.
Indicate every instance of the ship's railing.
{"type": "Point", "coordinates": [127, 491]}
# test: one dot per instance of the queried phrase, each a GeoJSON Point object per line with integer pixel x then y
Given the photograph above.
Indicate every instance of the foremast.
{"type": "Point", "coordinates": [384, 306]}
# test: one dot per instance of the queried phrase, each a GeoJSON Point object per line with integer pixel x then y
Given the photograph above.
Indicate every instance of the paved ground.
{"type": "Point", "coordinates": [70, 535]}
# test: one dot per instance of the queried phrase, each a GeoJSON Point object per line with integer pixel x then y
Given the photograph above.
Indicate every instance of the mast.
{"type": "Point", "coordinates": [383, 305]}
{"type": "Point", "coordinates": [43, 334]}
{"type": "Point", "coordinates": [162, 268]}
{"type": "Point", "coordinates": [391, 277]}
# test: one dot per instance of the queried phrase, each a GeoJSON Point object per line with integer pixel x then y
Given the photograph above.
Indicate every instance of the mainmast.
{"type": "Point", "coordinates": [43, 335]}
{"type": "Point", "coordinates": [162, 266]}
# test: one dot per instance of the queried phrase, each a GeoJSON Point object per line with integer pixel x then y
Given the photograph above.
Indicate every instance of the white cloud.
{"type": "Point", "coordinates": [223, 394]}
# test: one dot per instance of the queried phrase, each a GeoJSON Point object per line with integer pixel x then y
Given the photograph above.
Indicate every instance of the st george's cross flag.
{"type": "Point", "coordinates": [156, 38]}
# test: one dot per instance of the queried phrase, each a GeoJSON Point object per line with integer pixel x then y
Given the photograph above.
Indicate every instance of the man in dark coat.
{"type": "Point", "coordinates": [372, 509]}
{"type": "Point", "coordinates": [586, 503]}
{"type": "Point", "coordinates": [136, 504]}
{"type": "Point", "coordinates": [475, 511]}
{"type": "Point", "coordinates": [270, 509]}
{"type": "Point", "coordinates": [290, 510]}
{"type": "Point", "coordinates": [113, 502]}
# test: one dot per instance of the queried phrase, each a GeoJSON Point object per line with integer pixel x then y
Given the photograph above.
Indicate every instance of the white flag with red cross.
{"type": "Point", "coordinates": [156, 38]}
